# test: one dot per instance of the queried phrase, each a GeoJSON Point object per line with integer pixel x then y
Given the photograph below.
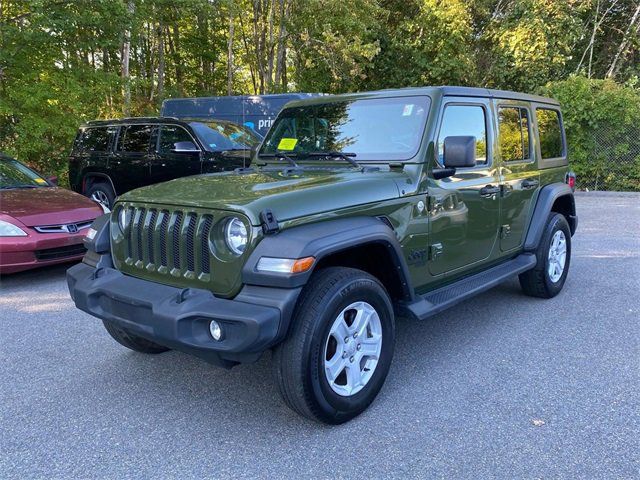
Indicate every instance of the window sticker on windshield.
{"type": "Point", "coordinates": [40, 181]}
{"type": "Point", "coordinates": [287, 143]}
{"type": "Point", "coordinates": [407, 110]}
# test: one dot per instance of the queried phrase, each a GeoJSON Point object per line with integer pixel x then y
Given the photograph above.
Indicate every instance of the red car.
{"type": "Point", "coordinates": [40, 224]}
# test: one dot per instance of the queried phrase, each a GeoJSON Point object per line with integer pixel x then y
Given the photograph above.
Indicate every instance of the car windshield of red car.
{"type": "Point", "coordinates": [15, 175]}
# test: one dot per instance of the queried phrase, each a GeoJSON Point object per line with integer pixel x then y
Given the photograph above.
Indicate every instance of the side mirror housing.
{"type": "Point", "coordinates": [460, 152]}
{"type": "Point", "coordinates": [184, 147]}
{"type": "Point", "coordinates": [53, 180]}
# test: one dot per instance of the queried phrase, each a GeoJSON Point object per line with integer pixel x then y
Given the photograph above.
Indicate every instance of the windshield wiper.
{"type": "Point", "coordinates": [9, 187]}
{"type": "Point", "coordinates": [280, 156]}
{"type": "Point", "coordinates": [347, 157]}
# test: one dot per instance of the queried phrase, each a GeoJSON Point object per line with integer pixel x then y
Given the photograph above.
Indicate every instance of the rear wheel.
{"type": "Point", "coordinates": [102, 192]}
{"type": "Point", "coordinates": [338, 352]}
{"type": "Point", "coordinates": [554, 256]}
{"type": "Point", "coordinates": [131, 341]}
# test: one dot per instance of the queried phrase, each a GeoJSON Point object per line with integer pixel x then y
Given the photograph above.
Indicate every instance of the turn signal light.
{"type": "Point", "coordinates": [285, 265]}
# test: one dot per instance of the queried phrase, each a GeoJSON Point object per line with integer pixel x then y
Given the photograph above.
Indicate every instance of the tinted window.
{"type": "Point", "coordinates": [93, 139]}
{"type": "Point", "coordinates": [513, 131]}
{"type": "Point", "coordinates": [373, 129]}
{"type": "Point", "coordinates": [465, 120]}
{"type": "Point", "coordinates": [170, 135]}
{"type": "Point", "coordinates": [135, 138]}
{"type": "Point", "coordinates": [551, 145]}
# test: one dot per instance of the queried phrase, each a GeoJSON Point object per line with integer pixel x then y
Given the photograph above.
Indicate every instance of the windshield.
{"type": "Point", "coordinates": [15, 175]}
{"type": "Point", "coordinates": [373, 129]}
{"type": "Point", "coordinates": [220, 137]}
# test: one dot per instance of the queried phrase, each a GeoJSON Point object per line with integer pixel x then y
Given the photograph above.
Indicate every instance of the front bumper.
{"type": "Point", "coordinates": [179, 318]}
{"type": "Point", "coordinates": [39, 249]}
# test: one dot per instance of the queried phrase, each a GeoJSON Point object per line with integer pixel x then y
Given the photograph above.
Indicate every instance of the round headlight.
{"type": "Point", "coordinates": [124, 217]}
{"type": "Point", "coordinates": [235, 234]}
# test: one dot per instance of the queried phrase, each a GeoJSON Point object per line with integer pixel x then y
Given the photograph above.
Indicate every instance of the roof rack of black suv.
{"type": "Point", "coordinates": [131, 120]}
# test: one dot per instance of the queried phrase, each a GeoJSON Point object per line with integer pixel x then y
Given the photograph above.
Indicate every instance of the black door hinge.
{"type": "Point", "coordinates": [269, 222]}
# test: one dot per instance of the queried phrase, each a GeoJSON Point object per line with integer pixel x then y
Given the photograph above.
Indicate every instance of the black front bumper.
{"type": "Point", "coordinates": [179, 318]}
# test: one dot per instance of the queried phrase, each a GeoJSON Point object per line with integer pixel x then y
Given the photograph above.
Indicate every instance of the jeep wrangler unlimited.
{"type": "Point", "coordinates": [359, 209]}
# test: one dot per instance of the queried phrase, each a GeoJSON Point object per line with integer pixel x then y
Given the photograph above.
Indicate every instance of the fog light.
{"type": "Point", "coordinates": [216, 330]}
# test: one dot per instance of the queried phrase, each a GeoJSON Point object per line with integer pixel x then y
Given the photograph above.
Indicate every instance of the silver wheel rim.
{"type": "Point", "coordinates": [352, 349]}
{"type": "Point", "coordinates": [557, 256]}
{"type": "Point", "coordinates": [100, 197]}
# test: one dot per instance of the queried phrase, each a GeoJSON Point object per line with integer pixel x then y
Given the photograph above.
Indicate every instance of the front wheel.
{"type": "Point", "coordinates": [338, 352]}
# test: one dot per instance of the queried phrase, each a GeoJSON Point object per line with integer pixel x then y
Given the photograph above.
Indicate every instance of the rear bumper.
{"type": "Point", "coordinates": [180, 318]}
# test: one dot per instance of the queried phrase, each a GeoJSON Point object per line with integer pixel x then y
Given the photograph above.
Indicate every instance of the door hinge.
{"type": "Point", "coordinates": [435, 251]}
{"type": "Point", "coordinates": [505, 231]}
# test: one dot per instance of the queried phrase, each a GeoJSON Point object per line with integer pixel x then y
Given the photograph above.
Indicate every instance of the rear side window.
{"type": "Point", "coordinates": [513, 131]}
{"type": "Point", "coordinates": [93, 139]}
{"type": "Point", "coordinates": [465, 120]}
{"type": "Point", "coordinates": [135, 138]}
{"type": "Point", "coordinates": [549, 126]}
{"type": "Point", "coordinates": [170, 135]}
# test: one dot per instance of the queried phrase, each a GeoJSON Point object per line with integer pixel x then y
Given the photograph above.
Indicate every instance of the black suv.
{"type": "Point", "coordinates": [111, 157]}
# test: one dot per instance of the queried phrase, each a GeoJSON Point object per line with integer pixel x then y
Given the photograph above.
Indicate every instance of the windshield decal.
{"type": "Point", "coordinates": [287, 143]}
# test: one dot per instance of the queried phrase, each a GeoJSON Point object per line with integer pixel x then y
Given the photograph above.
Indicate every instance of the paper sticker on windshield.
{"type": "Point", "coordinates": [41, 181]}
{"type": "Point", "coordinates": [287, 143]}
{"type": "Point", "coordinates": [407, 110]}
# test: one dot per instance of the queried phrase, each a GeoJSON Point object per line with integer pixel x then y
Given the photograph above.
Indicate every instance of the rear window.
{"type": "Point", "coordinates": [550, 128]}
{"type": "Point", "coordinates": [135, 138]}
{"type": "Point", "coordinates": [513, 131]}
{"type": "Point", "coordinates": [93, 139]}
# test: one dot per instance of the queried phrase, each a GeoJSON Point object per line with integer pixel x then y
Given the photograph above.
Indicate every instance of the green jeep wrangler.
{"type": "Point", "coordinates": [358, 209]}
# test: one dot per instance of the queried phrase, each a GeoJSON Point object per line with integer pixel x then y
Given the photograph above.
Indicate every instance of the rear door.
{"type": "Point", "coordinates": [464, 209]}
{"type": "Point", "coordinates": [129, 165]}
{"type": "Point", "coordinates": [169, 161]}
{"type": "Point", "coordinates": [519, 174]}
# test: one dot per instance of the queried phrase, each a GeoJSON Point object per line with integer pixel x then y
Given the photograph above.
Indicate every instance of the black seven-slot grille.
{"type": "Point", "coordinates": [171, 242]}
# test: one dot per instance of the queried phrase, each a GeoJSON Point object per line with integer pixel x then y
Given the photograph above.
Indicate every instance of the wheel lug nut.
{"type": "Point", "coordinates": [359, 347]}
{"type": "Point", "coordinates": [351, 359]}
{"type": "Point", "coordinates": [355, 335]}
{"type": "Point", "coordinates": [346, 339]}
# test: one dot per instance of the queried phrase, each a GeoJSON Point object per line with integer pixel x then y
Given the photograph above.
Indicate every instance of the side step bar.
{"type": "Point", "coordinates": [438, 300]}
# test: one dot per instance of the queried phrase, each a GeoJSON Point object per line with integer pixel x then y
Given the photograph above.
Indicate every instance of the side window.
{"type": "Point", "coordinates": [135, 138]}
{"type": "Point", "coordinates": [93, 139]}
{"type": "Point", "coordinates": [467, 120]}
{"type": "Point", "coordinates": [513, 132]}
{"type": "Point", "coordinates": [170, 135]}
{"type": "Point", "coordinates": [551, 143]}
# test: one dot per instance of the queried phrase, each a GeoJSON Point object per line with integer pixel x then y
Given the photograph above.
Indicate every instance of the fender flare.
{"type": "Point", "coordinates": [90, 174]}
{"type": "Point", "coordinates": [546, 198]}
{"type": "Point", "coordinates": [320, 240]}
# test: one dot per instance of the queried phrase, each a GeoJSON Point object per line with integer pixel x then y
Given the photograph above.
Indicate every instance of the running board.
{"type": "Point", "coordinates": [438, 300]}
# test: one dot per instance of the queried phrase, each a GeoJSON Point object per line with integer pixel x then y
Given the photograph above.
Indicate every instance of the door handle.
{"type": "Point", "coordinates": [489, 191]}
{"type": "Point", "coordinates": [529, 184]}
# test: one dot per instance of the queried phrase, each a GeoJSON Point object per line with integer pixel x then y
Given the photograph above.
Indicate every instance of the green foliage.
{"type": "Point", "coordinates": [64, 61]}
{"type": "Point", "coordinates": [601, 119]}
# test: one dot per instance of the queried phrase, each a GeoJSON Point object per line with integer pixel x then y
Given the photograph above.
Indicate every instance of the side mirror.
{"type": "Point", "coordinates": [184, 147]}
{"type": "Point", "coordinates": [460, 152]}
{"type": "Point", "coordinates": [53, 180]}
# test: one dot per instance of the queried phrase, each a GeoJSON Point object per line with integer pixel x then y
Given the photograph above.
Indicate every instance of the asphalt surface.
{"type": "Point", "coordinates": [501, 386]}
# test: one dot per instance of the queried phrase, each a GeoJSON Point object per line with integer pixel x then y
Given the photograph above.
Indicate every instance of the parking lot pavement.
{"type": "Point", "coordinates": [502, 385]}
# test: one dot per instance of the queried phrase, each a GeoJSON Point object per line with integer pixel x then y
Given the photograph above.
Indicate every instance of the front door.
{"type": "Point", "coordinates": [518, 170]}
{"type": "Point", "coordinates": [168, 162]}
{"type": "Point", "coordinates": [464, 209]}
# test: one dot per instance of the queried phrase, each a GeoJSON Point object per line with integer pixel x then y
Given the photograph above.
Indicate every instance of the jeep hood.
{"type": "Point", "coordinates": [289, 196]}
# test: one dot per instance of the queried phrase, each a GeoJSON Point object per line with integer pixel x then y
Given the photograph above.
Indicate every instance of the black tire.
{"type": "Point", "coordinates": [298, 362]}
{"type": "Point", "coordinates": [102, 189]}
{"type": "Point", "coordinates": [134, 342]}
{"type": "Point", "coordinates": [537, 282]}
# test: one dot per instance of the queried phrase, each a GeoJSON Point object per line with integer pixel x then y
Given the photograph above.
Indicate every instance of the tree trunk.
{"type": "Point", "coordinates": [230, 56]}
{"type": "Point", "coordinates": [611, 73]}
{"type": "Point", "coordinates": [126, 53]}
{"type": "Point", "coordinates": [282, 52]}
{"type": "Point", "coordinates": [161, 61]}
